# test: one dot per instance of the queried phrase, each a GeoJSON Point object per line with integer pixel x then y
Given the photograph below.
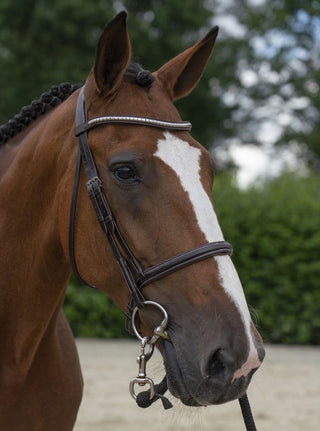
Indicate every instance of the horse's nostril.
{"type": "Point", "coordinates": [216, 366]}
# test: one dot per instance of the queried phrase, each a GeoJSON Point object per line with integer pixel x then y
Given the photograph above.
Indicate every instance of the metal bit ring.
{"type": "Point", "coordinates": [159, 330]}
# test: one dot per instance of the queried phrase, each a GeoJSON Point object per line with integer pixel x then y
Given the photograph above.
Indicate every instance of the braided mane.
{"type": "Point", "coordinates": [56, 95]}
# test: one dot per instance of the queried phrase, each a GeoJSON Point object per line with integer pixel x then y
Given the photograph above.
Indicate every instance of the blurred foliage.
{"type": "Point", "coordinates": [91, 313]}
{"type": "Point", "coordinates": [47, 42]}
{"type": "Point", "coordinates": [274, 229]}
{"type": "Point", "coordinates": [273, 78]}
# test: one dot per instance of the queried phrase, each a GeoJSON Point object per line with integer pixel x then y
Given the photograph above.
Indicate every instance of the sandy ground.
{"type": "Point", "coordinates": [284, 393]}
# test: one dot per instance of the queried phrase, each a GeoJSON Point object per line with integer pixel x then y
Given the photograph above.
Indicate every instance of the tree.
{"type": "Point", "coordinates": [271, 84]}
{"type": "Point", "coordinates": [263, 75]}
{"type": "Point", "coordinates": [45, 43]}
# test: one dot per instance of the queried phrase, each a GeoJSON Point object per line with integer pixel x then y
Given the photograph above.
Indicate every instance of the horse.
{"type": "Point", "coordinates": [105, 179]}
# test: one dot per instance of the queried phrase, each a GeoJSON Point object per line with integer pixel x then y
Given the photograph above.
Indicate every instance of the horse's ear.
{"type": "Point", "coordinates": [182, 73]}
{"type": "Point", "coordinates": [113, 55]}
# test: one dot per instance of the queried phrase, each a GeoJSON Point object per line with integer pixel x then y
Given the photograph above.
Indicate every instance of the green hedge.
{"type": "Point", "coordinates": [276, 237]}
{"type": "Point", "coordinates": [91, 313]}
{"type": "Point", "coordinates": [274, 229]}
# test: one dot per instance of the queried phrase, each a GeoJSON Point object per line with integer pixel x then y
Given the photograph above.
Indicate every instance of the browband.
{"type": "Point", "coordinates": [143, 121]}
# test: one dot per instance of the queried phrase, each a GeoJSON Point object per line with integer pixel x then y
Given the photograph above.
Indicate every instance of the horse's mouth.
{"type": "Point", "coordinates": [175, 379]}
{"type": "Point", "coordinates": [191, 389]}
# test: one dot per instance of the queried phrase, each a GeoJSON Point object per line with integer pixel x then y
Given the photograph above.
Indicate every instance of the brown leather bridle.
{"type": "Point", "coordinates": [135, 276]}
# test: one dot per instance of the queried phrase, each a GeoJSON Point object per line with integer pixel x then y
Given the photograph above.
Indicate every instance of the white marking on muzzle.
{"type": "Point", "coordinates": [185, 161]}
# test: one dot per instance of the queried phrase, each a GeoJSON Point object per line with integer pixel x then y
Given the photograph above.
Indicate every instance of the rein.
{"type": "Point", "coordinates": [135, 276]}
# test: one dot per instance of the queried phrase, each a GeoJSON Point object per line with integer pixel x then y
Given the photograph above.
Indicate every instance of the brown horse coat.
{"type": "Point", "coordinates": [216, 348]}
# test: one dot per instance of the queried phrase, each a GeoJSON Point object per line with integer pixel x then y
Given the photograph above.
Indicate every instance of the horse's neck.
{"type": "Point", "coordinates": [33, 267]}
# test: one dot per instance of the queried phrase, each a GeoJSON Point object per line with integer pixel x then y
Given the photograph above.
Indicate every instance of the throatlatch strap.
{"type": "Point", "coordinates": [73, 209]}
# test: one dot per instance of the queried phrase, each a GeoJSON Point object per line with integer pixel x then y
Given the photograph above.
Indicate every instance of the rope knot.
{"type": "Point", "coordinates": [143, 398]}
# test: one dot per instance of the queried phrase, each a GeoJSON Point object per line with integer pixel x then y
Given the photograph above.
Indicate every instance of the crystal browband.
{"type": "Point", "coordinates": [142, 121]}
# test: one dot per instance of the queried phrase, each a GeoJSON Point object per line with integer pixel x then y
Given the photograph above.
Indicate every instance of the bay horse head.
{"type": "Point", "coordinates": [146, 233]}
{"type": "Point", "coordinates": [157, 239]}
{"type": "Point", "coordinates": [156, 182]}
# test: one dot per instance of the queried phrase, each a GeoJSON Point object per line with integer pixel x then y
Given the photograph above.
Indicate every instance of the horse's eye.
{"type": "Point", "coordinates": [125, 174]}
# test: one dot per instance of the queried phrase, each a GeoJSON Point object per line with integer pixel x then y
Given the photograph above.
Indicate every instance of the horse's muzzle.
{"type": "Point", "coordinates": [212, 382]}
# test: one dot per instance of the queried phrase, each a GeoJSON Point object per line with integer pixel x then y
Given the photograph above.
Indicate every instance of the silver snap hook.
{"type": "Point", "coordinates": [141, 381]}
{"type": "Point", "coordinates": [142, 360]}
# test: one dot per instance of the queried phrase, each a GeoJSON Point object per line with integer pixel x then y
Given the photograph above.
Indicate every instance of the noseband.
{"type": "Point", "coordinates": [135, 276]}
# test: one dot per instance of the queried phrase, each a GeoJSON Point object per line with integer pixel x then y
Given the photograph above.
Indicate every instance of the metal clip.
{"type": "Point", "coordinates": [142, 360]}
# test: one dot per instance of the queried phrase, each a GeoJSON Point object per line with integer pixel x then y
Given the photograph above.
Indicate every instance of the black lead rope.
{"type": "Point", "coordinates": [143, 400]}
{"type": "Point", "coordinates": [246, 413]}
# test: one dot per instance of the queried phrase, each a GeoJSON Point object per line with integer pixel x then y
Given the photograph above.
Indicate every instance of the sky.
{"type": "Point", "coordinates": [256, 162]}
{"type": "Point", "coordinates": [268, 121]}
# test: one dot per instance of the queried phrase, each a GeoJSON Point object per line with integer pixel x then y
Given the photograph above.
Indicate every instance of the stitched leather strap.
{"type": "Point", "coordinates": [182, 260]}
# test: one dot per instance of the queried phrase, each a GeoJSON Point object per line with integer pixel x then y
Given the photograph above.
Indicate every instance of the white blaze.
{"type": "Point", "coordinates": [185, 161]}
